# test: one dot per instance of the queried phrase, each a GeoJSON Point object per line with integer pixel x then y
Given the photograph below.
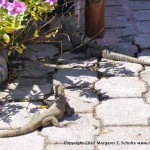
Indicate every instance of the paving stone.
{"type": "Point", "coordinates": [119, 39]}
{"type": "Point", "coordinates": [38, 51]}
{"type": "Point", "coordinates": [120, 87]}
{"type": "Point", "coordinates": [145, 75]}
{"type": "Point", "coordinates": [140, 5]}
{"type": "Point", "coordinates": [110, 38]}
{"type": "Point", "coordinates": [31, 89]}
{"type": "Point", "coordinates": [76, 77]}
{"type": "Point", "coordinates": [128, 138]}
{"type": "Point", "coordinates": [72, 147]}
{"type": "Point", "coordinates": [78, 59]}
{"type": "Point", "coordinates": [120, 32]}
{"type": "Point", "coordinates": [142, 15]}
{"type": "Point", "coordinates": [144, 54]}
{"type": "Point", "coordinates": [147, 97]}
{"type": "Point", "coordinates": [17, 114]}
{"type": "Point", "coordinates": [116, 22]}
{"type": "Point", "coordinates": [83, 128]}
{"type": "Point", "coordinates": [143, 41]}
{"type": "Point", "coordinates": [124, 111]}
{"type": "Point", "coordinates": [82, 100]}
{"type": "Point", "coordinates": [4, 95]}
{"type": "Point", "coordinates": [31, 70]}
{"type": "Point", "coordinates": [3, 70]}
{"type": "Point", "coordinates": [25, 142]}
{"type": "Point", "coordinates": [118, 68]}
{"type": "Point", "coordinates": [74, 61]}
{"type": "Point", "coordinates": [144, 27]}
{"type": "Point", "coordinates": [113, 3]}
{"type": "Point", "coordinates": [126, 48]}
{"type": "Point", "coordinates": [112, 11]}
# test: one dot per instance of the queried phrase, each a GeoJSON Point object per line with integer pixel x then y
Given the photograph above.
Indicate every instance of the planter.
{"type": "Point", "coordinates": [94, 18]}
{"type": "Point", "coordinates": [79, 8]}
{"type": "Point", "coordinates": [90, 17]}
{"type": "Point", "coordinates": [3, 65]}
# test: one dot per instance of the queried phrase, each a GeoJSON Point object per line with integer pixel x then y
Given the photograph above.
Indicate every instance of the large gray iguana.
{"type": "Point", "coordinates": [50, 116]}
{"type": "Point", "coordinates": [91, 46]}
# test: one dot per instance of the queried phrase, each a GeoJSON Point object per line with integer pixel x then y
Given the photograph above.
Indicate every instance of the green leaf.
{"type": "Point", "coordinates": [23, 46]}
{"type": "Point", "coordinates": [2, 32]}
{"type": "Point", "coordinates": [19, 49]}
{"type": "Point", "coordinates": [6, 38]}
{"type": "Point", "coordinates": [9, 53]}
{"type": "Point", "coordinates": [56, 31]}
{"type": "Point", "coordinates": [36, 33]}
{"type": "Point", "coordinates": [8, 29]}
{"type": "Point", "coordinates": [48, 35]}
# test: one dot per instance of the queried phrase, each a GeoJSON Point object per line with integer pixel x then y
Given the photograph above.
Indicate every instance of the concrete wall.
{"type": "Point", "coordinates": [79, 6]}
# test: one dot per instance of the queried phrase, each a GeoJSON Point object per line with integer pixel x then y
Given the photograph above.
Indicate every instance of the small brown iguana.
{"type": "Point", "coordinates": [91, 46]}
{"type": "Point", "coordinates": [50, 116]}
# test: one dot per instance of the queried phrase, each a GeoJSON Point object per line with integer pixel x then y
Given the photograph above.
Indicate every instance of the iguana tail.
{"type": "Point", "coordinates": [114, 56]}
{"type": "Point", "coordinates": [19, 131]}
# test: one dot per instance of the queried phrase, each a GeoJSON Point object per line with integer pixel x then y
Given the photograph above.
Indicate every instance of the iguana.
{"type": "Point", "coordinates": [92, 48]}
{"type": "Point", "coordinates": [50, 116]}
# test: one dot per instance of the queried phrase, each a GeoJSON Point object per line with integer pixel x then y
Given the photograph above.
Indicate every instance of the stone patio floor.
{"type": "Point", "coordinates": [111, 98]}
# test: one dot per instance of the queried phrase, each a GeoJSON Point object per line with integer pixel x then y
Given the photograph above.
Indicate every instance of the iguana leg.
{"type": "Point", "coordinates": [34, 117]}
{"type": "Point", "coordinates": [51, 119]}
{"type": "Point", "coordinates": [46, 121]}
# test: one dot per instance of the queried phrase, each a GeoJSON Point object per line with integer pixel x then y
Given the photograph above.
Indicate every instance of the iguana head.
{"type": "Point", "coordinates": [58, 88]}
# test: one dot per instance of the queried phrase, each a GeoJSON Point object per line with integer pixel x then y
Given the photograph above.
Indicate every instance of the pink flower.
{"type": "Point", "coordinates": [51, 2]}
{"type": "Point", "coordinates": [67, 98]}
{"type": "Point", "coordinates": [3, 3]}
{"type": "Point", "coordinates": [15, 8]}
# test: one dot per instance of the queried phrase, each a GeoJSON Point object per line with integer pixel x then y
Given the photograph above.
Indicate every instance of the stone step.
{"type": "Point", "coordinates": [116, 22]}
{"type": "Point", "coordinates": [35, 70]}
{"type": "Point", "coordinates": [114, 11]}
{"type": "Point", "coordinates": [140, 5]}
{"type": "Point", "coordinates": [143, 41]}
{"type": "Point", "coordinates": [39, 51]}
{"type": "Point", "coordinates": [142, 15]}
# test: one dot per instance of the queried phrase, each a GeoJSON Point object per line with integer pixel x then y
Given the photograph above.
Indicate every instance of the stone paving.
{"type": "Point", "coordinates": [110, 98]}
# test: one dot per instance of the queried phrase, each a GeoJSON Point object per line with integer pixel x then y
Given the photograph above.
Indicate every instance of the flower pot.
{"type": "Point", "coordinates": [94, 18]}
{"type": "Point", "coordinates": [3, 65]}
